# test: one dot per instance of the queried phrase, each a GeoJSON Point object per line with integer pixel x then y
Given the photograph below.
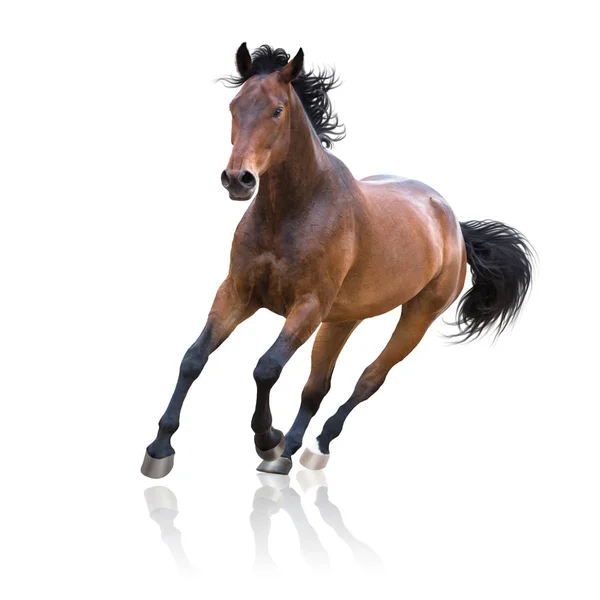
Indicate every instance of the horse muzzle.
{"type": "Point", "coordinates": [241, 185]}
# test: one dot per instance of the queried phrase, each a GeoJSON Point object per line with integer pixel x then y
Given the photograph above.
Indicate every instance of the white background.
{"type": "Point", "coordinates": [473, 473]}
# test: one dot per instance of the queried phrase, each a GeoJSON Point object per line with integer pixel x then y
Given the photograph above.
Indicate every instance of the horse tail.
{"type": "Point", "coordinates": [501, 261]}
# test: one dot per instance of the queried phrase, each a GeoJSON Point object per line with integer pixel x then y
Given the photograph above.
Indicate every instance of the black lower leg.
{"type": "Point", "coordinates": [266, 374]}
{"type": "Point", "coordinates": [300, 323]}
{"type": "Point", "coordinates": [367, 385]}
{"type": "Point", "coordinates": [312, 396]}
{"type": "Point", "coordinates": [191, 366]}
{"type": "Point", "coordinates": [169, 422]}
{"type": "Point", "coordinates": [333, 426]}
{"type": "Point", "coordinates": [293, 438]}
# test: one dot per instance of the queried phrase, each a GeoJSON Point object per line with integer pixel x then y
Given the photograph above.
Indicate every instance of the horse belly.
{"type": "Point", "coordinates": [389, 272]}
{"type": "Point", "coordinates": [362, 297]}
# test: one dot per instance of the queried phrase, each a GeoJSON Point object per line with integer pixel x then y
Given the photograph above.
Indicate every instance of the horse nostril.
{"type": "Point", "coordinates": [248, 179]}
{"type": "Point", "coordinates": [225, 179]}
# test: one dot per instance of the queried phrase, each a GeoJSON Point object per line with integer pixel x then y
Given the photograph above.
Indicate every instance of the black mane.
{"type": "Point", "coordinates": [312, 88]}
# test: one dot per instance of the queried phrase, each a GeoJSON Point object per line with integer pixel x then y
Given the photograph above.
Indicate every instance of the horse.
{"type": "Point", "coordinates": [326, 251]}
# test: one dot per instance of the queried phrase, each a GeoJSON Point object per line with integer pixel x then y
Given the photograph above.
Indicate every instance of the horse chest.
{"type": "Point", "coordinates": [272, 281]}
{"type": "Point", "coordinates": [274, 268]}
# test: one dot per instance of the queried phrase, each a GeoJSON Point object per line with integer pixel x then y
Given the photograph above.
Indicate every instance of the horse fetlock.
{"type": "Point", "coordinates": [270, 446]}
{"type": "Point", "coordinates": [269, 439]}
{"type": "Point", "coordinates": [160, 449]}
{"type": "Point", "coordinates": [322, 442]}
{"type": "Point", "coordinates": [167, 426]}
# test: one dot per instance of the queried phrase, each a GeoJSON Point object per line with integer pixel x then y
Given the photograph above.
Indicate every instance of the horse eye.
{"type": "Point", "coordinates": [277, 112]}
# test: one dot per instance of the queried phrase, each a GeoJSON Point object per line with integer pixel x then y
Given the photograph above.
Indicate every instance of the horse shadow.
{"type": "Point", "coordinates": [275, 495]}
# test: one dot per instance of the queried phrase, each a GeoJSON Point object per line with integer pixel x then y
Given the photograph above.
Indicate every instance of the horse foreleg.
{"type": "Point", "coordinates": [327, 347]}
{"type": "Point", "coordinates": [411, 328]}
{"type": "Point", "coordinates": [226, 314]}
{"type": "Point", "coordinates": [301, 322]}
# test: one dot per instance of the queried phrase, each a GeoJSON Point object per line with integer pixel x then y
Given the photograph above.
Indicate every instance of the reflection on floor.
{"type": "Point", "coordinates": [276, 494]}
{"type": "Point", "coordinates": [162, 506]}
{"type": "Point", "coordinates": [273, 495]}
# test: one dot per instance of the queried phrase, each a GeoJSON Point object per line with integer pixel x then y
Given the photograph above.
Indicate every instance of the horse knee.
{"type": "Point", "coordinates": [192, 364]}
{"type": "Point", "coordinates": [267, 371]}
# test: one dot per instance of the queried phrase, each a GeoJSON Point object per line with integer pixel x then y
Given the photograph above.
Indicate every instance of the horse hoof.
{"type": "Point", "coordinates": [281, 466]}
{"type": "Point", "coordinates": [314, 461]}
{"type": "Point", "coordinates": [273, 453]}
{"type": "Point", "coordinates": [155, 468]}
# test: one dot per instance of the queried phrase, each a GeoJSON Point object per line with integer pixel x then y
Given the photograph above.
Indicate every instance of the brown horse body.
{"type": "Point", "coordinates": [378, 243]}
{"type": "Point", "coordinates": [323, 249]}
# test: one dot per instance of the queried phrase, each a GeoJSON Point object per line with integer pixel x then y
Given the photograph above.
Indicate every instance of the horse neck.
{"type": "Point", "coordinates": [288, 187]}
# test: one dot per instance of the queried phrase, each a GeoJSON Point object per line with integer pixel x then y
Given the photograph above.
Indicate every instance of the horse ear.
{"type": "Point", "coordinates": [243, 60]}
{"type": "Point", "coordinates": [293, 68]}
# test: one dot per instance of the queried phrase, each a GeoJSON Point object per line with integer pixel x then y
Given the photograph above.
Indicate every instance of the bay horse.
{"type": "Point", "coordinates": [327, 251]}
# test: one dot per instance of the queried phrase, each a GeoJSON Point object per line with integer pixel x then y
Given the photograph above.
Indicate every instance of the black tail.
{"type": "Point", "coordinates": [501, 262]}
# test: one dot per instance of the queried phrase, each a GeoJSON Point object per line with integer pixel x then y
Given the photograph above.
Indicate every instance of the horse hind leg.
{"type": "Point", "coordinates": [327, 347]}
{"type": "Point", "coordinates": [417, 316]}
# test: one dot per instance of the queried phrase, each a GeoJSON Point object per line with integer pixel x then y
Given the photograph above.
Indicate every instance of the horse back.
{"type": "Point", "coordinates": [406, 235]}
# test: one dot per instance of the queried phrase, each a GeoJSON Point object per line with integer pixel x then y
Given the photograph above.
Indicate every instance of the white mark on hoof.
{"type": "Point", "coordinates": [314, 459]}
{"type": "Point", "coordinates": [314, 448]}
